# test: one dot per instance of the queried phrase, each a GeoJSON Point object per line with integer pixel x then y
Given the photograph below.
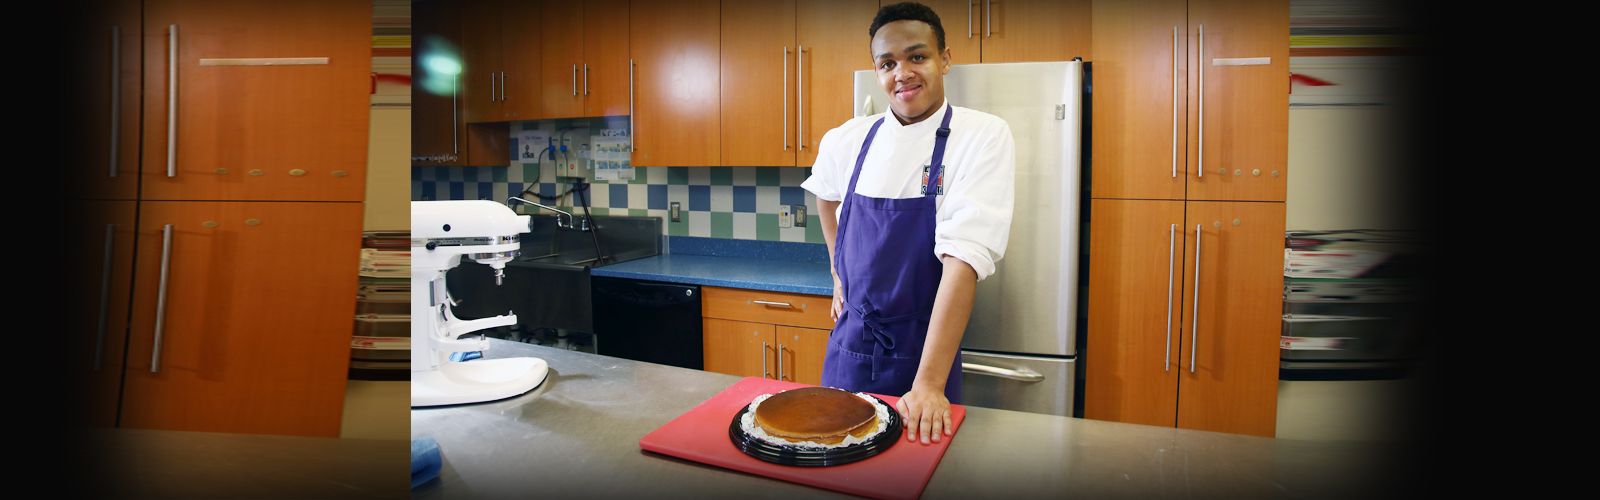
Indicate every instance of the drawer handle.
{"type": "Point", "coordinates": [1024, 374]}
{"type": "Point", "coordinates": [765, 303]}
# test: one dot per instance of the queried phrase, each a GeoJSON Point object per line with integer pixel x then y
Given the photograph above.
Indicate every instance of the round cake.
{"type": "Point", "coordinates": [820, 415]}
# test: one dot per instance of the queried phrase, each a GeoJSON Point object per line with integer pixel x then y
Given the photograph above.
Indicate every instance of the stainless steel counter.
{"type": "Point", "coordinates": [577, 436]}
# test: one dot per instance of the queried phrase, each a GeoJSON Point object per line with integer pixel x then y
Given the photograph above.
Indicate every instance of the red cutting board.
{"type": "Point", "coordinates": [701, 435]}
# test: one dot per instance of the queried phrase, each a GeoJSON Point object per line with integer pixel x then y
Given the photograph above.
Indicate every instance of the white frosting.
{"type": "Point", "coordinates": [748, 423]}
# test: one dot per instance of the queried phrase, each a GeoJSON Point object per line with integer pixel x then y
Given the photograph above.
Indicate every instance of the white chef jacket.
{"type": "Point", "coordinates": [980, 164]}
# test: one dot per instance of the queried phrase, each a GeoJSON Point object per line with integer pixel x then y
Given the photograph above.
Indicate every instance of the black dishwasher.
{"type": "Point", "coordinates": [648, 321]}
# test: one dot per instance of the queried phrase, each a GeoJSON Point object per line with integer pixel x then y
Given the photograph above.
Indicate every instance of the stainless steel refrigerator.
{"type": "Point", "coordinates": [1019, 352]}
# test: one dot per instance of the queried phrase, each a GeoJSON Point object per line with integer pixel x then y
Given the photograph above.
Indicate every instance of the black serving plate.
{"type": "Point", "coordinates": [815, 457]}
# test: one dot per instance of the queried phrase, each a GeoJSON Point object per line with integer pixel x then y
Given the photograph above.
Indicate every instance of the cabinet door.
{"type": "Point", "coordinates": [1139, 99]}
{"type": "Point", "coordinates": [740, 348]}
{"type": "Point", "coordinates": [1233, 309]}
{"type": "Point", "coordinates": [255, 324]}
{"type": "Point", "coordinates": [438, 130]}
{"type": "Point", "coordinates": [97, 316]}
{"type": "Point", "coordinates": [800, 351]}
{"type": "Point", "coordinates": [1135, 317]}
{"type": "Point", "coordinates": [562, 35]}
{"type": "Point", "coordinates": [272, 100]}
{"type": "Point", "coordinates": [104, 104]}
{"type": "Point", "coordinates": [605, 54]}
{"type": "Point", "coordinates": [963, 28]}
{"type": "Point", "coordinates": [523, 59]}
{"type": "Point", "coordinates": [1239, 118]}
{"type": "Point", "coordinates": [758, 40]}
{"type": "Point", "coordinates": [1035, 30]}
{"type": "Point", "coordinates": [482, 65]}
{"type": "Point", "coordinates": [676, 82]}
{"type": "Point", "coordinates": [831, 52]}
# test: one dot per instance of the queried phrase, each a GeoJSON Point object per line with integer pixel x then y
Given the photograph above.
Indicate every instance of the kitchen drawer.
{"type": "Point", "coordinates": [790, 309]}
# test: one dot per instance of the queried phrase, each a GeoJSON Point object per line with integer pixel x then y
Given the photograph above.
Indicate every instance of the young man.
{"type": "Point", "coordinates": [916, 207]}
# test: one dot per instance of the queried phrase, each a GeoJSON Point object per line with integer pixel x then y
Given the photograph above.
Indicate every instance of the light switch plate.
{"type": "Point", "coordinates": [785, 218]}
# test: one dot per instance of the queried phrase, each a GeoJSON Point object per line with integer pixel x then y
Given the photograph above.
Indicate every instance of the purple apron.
{"type": "Point", "coordinates": [884, 256]}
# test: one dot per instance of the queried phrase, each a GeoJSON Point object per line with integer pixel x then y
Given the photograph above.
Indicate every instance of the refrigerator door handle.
{"type": "Point", "coordinates": [1024, 374]}
{"type": "Point", "coordinates": [1171, 238]}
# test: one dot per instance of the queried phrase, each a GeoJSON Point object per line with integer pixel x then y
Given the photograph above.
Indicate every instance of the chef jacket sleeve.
{"type": "Point", "coordinates": [825, 181]}
{"type": "Point", "coordinates": [975, 215]}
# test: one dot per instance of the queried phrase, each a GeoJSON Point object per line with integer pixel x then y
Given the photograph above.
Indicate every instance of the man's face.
{"type": "Point", "coordinates": [910, 68]}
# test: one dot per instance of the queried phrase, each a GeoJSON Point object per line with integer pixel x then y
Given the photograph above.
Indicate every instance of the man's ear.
{"type": "Point", "coordinates": [947, 61]}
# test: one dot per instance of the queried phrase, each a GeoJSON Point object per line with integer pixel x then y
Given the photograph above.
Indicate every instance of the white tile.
{"type": "Point", "coordinates": [453, 174]}
{"type": "Point", "coordinates": [699, 223]}
{"type": "Point", "coordinates": [658, 175]}
{"type": "Point", "coordinates": [699, 176]}
{"type": "Point", "coordinates": [680, 194]}
{"type": "Point", "coordinates": [797, 234]}
{"type": "Point", "coordinates": [638, 196]}
{"type": "Point", "coordinates": [599, 195]}
{"type": "Point", "coordinates": [501, 192]}
{"type": "Point", "coordinates": [744, 226]}
{"type": "Point", "coordinates": [721, 198]}
{"type": "Point", "coordinates": [792, 176]}
{"type": "Point", "coordinates": [744, 176]}
{"type": "Point", "coordinates": [767, 199]}
{"type": "Point", "coordinates": [416, 189]}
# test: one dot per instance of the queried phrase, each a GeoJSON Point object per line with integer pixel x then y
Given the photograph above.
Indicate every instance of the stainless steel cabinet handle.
{"type": "Point", "coordinates": [116, 100]}
{"type": "Point", "coordinates": [172, 101]}
{"type": "Point", "coordinates": [800, 96]}
{"type": "Point", "coordinates": [1172, 231]}
{"type": "Point", "coordinates": [764, 371]}
{"type": "Point", "coordinates": [1202, 64]}
{"type": "Point", "coordinates": [780, 361]}
{"type": "Point", "coordinates": [988, 20]}
{"type": "Point", "coordinates": [502, 86]}
{"type": "Point", "coordinates": [763, 302]}
{"type": "Point", "coordinates": [1194, 329]}
{"type": "Point", "coordinates": [574, 79]}
{"type": "Point", "coordinates": [491, 87]}
{"type": "Point", "coordinates": [105, 298]}
{"type": "Point", "coordinates": [633, 131]}
{"type": "Point", "coordinates": [969, 19]}
{"type": "Point", "coordinates": [586, 79]}
{"type": "Point", "coordinates": [785, 98]}
{"type": "Point", "coordinates": [1174, 102]}
{"type": "Point", "coordinates": [1024, 374]}
{"type": "Point", "coordinates": [161, 296]}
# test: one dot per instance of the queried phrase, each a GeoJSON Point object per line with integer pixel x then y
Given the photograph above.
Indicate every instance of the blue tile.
{"type": "Point", "coordinates": [514, 189]}
{"type": "Point", "coordinates": [791, 195]}
{"type": "Point", "coordinates": [458, 190]}
{"type": "Point", "coordinates": [547, 189]}
{"type": "Point", "coordinates": [744, 199]}
{"type": "Point", "coordinates": [619, 195]}
{"type": "Point", "coordinates": [514, 152]}
{"type": "Point", "coordinates": [658, 197]}
{"type": "Point", "coordinates": [700, 198]}
{"type": "Point", "coordinates": [486, 190]}
{"type": "Point", "coordinates": [428, 188]}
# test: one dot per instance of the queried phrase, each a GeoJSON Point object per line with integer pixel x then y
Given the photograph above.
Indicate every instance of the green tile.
{"type": "Point", "coordinates": [722, 224]}
{"type": "Point", "coordinates": [767, 176]}
{"type": "Point", "coordinates": [599, 211]}
{"type": "Point", "coordinates": [638, 212]}
{"type": "Point", "coordinates": [641, 175]}
{"type": "Point", "coordinates": [767, 226]}
{"type": "Point", "coordinates": [814, 229]}
{"type": "Point", "coordinates": [416, 173]}
{"type": "Point", "coordinates": [722, 176]}
{"type": "Point", "coordinates": [678, 175]}
{"type": "Point", "coordinates": [680, 228]}
{"type": "Point", "coordinates": [500, 174]}
{"type": "Point", "coordinates": [530, 173]}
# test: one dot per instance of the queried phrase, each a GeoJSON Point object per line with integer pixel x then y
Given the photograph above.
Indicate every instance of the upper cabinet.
{"type": "Point", "coordinates": [444, 81]}
{"type": "Point", "coordinates": [675, 80]}
{"type": "Point", "coordinates": [585, 58]}
{"type": "Point", "coordinates": [992, 31]}
{"type": "Point", "coordinates": [105, 90]}
{"type": "Point", "coordinates": [811, 54]}
{"type": "Point", "coordinates": [1191, 100]}
{"type": "Point", "coordinates": [228, 109]}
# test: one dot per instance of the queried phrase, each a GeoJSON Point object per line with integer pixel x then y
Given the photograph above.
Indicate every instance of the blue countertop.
{"type": "Point", "coordinates": [753, 265]}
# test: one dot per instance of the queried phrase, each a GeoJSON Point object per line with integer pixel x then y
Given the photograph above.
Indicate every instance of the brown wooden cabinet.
{"type": "Point", "coordinates": [256, 100]}
{"type": "Point", "coordinates": [675, 82]}
{"type": "Point", "coordinates": [1191, 100]}
{"type": "Point", "coordinates": [105, 90]}
{"type": "Point", "coordinates": [585, 58]}
{"type": "Point", "coordinates": [97, 319]}
{"type": "Point", "coordinates": [773, 335]}
{"type": "Point", "coordinates": [1183, 325]}
{"type": "Point", "coordinates": [441, 134]}
{"type": "Point", "coordinates": [990, 31]}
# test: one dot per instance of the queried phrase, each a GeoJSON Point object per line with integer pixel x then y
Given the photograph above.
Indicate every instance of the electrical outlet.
{"type": "Point", "coordinates": [785, 217]}
{"type": "Point", "coordinates": [674, 212]}
{"type": "Point", "coordinates": [799, 216]}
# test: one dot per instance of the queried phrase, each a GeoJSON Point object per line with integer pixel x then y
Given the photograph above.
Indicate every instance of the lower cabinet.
{"type": "Point", "coordinates": [241, 317]}
{"type": "Point", "coordinates": [750, 333]}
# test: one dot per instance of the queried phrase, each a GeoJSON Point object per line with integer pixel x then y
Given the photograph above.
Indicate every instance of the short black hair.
{"type": "Point", "coordinates": [907, 11]}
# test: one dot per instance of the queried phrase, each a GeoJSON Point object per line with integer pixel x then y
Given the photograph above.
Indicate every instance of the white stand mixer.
{"type": "Point", "coordinates": [441, 233]}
